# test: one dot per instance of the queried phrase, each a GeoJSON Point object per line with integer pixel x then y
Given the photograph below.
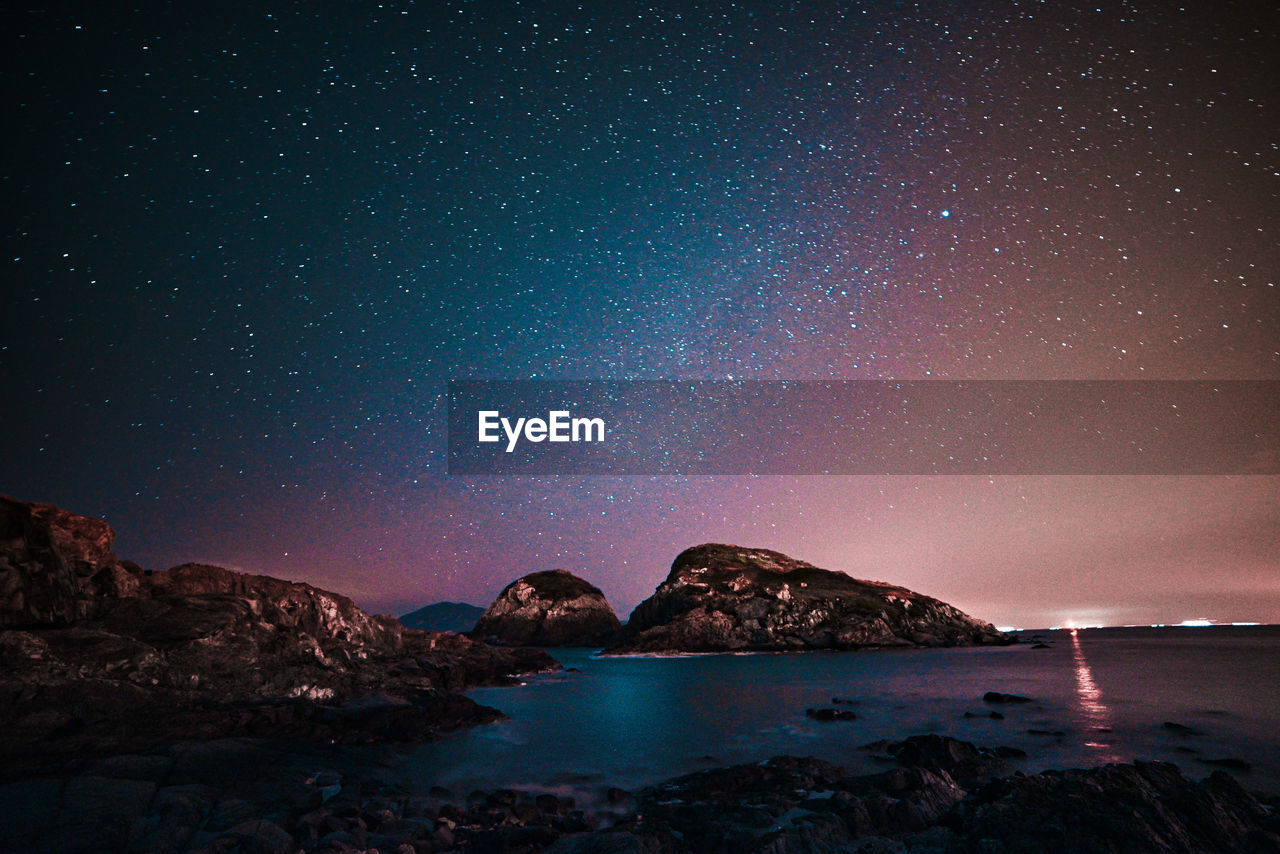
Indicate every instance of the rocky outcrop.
{"type": "Point", "coordinates": [56, 566]}
{"type": "Point", "coordinates": [444, 617]}
{"type": "Point", "coordinates": [102, 655]}
{"type": "Point", "coordinates": [554, 608]}
{"type": "Point", "coordinates": [966, 763]}
{"type": "Point", "coordinates": [1146, 806]}
{"type": "Point", "coordinates": [287, 606]}
{"type": "Point", "coordinates": [790, 804]}
{"type": "Point", "coordinates": [721, 597]}
{"type": "Point", "coordinates": [254, 795]}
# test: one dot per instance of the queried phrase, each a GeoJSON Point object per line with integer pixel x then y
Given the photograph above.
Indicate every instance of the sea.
{"type": "Point", "coordinates": [1193, 696]}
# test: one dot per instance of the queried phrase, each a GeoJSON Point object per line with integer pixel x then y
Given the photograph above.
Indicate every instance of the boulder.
{"type": "Point", "coordinates": [55, 565]}
{"type": "Point", "coordinates": [998, 697]}
{"type": "Point", "coordinates": [963, 761]}
{"type": "Point", "coordinates": [553, 608]}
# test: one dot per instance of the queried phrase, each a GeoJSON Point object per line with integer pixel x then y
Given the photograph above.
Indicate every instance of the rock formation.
{"type": "Point", "coordinates": [56, 566]}
{"type": "Point", "coordinates": [553, 608]}
{"type": "Point", "coordinates": [444, 617]}
{"type": "Point", "coordinates": [98, 654]}
{"type": "Point", "coordinates": [721, 597]}
{"type": "Point", "coordinates": [262, 795]}
{"type": "Point", "coordinates": [791, 804]}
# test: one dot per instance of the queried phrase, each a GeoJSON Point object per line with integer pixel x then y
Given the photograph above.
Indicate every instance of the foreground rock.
{"type": "Point", "coordinates": [966, 763]}
{"type": "Point", "coordinates": [1146, 806]}
{"type": "Point", "coordinates": [56, 566]}
{"type": "Point", "coordinates": [101, 656]}
{"type": "Point", "coordinates": [804, 805]}
{"type": "Point", "coordinates": [719, 598]}
{"type": "Point", "coordinates": [456, 617]}
{"type": "Point", "coordinates": [553, 608]}
{"type": "Point", "coordinates": [255, 795]}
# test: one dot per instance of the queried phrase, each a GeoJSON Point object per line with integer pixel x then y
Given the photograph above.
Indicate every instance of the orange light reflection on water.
{"type": "Point", "coordinates": [1095, 714]}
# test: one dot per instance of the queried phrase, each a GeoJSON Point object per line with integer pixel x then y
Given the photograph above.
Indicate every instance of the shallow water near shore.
{"type": "Point", "coordinates": [1098, 696]}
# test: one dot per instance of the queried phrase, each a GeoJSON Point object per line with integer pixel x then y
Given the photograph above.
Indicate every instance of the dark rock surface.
{"type": "Point", "coordinates": [721, 597]}
{"type": "Point", "coordinates": [553, 608]}
{"type": "Point", "coordinates": [101, 656]}
{"type": "Point", "coordinates": [997, 697]}
{"type": "Point", "coordinates": [456, 617]}
{"type": "Point", "coordinates": [791, 804]}
{"type": "Point", "coordinates": [1143, 807]}
{"type": "Point", "coordinates": [964, 762]}
{"type": "Point", "coordinates": [1180, 729]}
{"type": "Point", "coordinates": [255, 795]}
{"type": "Point", "coordinates": [55, 566]}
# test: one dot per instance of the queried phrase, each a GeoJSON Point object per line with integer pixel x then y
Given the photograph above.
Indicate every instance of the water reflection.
{"type": "Point", "coordinates": [1095, 714]}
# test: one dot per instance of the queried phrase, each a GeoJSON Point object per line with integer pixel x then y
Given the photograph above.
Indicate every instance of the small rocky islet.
{"type": "Point", "coordinates": [725, 598]}
{"type": "Point", "coordinates": [551, 608]}
{"type": "Point", "coordinates": [203, 710]}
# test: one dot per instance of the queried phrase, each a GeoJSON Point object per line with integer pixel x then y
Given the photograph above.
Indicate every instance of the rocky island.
{"type": "Point", "coordinates": [720, 598]}
{"type": "Point", "coordinates": [552, 608]}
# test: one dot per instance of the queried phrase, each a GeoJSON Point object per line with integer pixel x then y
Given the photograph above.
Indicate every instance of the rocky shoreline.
{"type": "Point", "coordinates": [941, 795]}
{"type": "Point", "coordinates": [99, 656]}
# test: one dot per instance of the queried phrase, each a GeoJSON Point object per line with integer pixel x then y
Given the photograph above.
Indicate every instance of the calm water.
{"type": "Point", "coordinates": [632, 721]}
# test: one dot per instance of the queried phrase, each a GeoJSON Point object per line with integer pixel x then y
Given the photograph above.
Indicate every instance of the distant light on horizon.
{"type": "Point", "coordinates": [1008, 629]}
{"type": "Point", "coordinates": [1195, 624]}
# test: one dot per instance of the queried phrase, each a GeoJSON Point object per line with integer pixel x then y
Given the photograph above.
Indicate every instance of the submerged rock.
{"type": "Point", "coordinates": [721, 598]}
{"type": "Point", "coordinates": [997, 697]}
{"type": "Point", "coordinates": [553, 608]}
{"type": "Point", "coordinates": [1180, 729]}
{"type": "Point", "coordinates": [830, 714]}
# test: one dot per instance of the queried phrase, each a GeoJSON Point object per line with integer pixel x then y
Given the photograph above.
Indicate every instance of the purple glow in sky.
{"type": "Point", "coordinates": [249, 245]}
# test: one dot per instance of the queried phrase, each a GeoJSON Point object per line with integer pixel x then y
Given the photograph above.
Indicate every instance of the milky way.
{"type": "Point", "coordinates": [249, 244]}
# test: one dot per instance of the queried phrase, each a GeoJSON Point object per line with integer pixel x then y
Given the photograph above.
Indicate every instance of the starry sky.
{"type": "Point", "coordinates": [247, 245]}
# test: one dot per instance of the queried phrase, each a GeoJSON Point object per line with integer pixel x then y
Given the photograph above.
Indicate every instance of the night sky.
{"type": "Point", "coordinates": [247, 246]}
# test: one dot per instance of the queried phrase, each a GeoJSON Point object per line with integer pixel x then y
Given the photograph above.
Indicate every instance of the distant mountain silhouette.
{"type": "Point", "coordinates": [444, 617]}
